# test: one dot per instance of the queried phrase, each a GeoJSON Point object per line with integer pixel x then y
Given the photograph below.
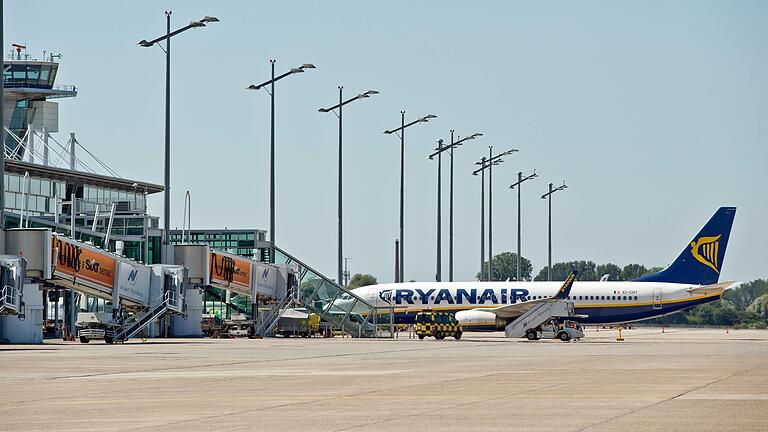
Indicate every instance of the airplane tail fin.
{"type": "Point", "coordinates": [702, 258]}
{"type": "Point", "coordinates": [565, 290]}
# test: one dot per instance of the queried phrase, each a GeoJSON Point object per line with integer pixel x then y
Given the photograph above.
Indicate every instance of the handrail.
{"type": "Point", "coordinates": [325, 279]}
{"type": "Point", "coordinates": [35, 85]}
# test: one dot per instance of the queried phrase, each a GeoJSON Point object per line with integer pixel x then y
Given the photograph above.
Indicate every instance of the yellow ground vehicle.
{"type": "Point", "coordinates": [437, 324]}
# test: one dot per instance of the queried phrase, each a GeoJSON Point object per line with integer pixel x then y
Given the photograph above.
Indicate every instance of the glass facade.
{"type": "Point", "coordinates": [37, 197]}
{"type": "Point", "coordinates": [30, 74]}
{"type": "Point", "coordinates": [91, 196]}
{"type": "Point", "coordinates": [40, 196]}
{"type": "Point", "coordinates": [239, 242]}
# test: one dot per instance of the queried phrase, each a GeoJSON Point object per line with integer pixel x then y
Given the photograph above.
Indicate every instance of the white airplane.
{"type": "Point", "coordinates": [691, 280]}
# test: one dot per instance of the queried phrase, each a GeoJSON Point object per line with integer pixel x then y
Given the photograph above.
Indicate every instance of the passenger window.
{"type": "Point", "coordinates": [624, 297]}
{"type": "Point", "coordinates": [613, 297]}
{"type": "Point", "coordinates": [579, 297]}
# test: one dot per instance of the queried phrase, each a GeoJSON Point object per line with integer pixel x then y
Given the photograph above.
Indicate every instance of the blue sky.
{"type": "Point", "coordinates": [653, 112]}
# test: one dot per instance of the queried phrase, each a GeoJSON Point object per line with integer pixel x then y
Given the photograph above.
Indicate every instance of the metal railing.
{"type": "Point", "coordinates": [36, 84]}
{"type": "Point", "coordinates": [338, 305]}
{"type": "Point", "coordinates": [269, 319]}
{"type": "Point", "coordinates": [8, 299]}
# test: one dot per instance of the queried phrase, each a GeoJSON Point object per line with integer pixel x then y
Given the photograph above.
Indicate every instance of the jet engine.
{"type": "Point", "coordinates": [474, 319]}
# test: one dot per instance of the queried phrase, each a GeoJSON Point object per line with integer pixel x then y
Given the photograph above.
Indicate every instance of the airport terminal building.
{"type": "Point", "coordinates": [81, 256]}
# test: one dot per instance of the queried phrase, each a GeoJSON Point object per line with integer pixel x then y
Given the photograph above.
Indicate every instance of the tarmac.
{"type": "Point", "coordinates": [678, 380]}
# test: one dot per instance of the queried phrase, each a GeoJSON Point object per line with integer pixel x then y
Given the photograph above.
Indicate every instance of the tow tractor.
{"type": "Point", "coordinates": [554, 330]}
{"type": "Point", "coordinates": [96, 326]}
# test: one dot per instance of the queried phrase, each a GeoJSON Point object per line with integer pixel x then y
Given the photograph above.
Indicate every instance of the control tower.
{"type": "Point", "coordinates": [29, 87]}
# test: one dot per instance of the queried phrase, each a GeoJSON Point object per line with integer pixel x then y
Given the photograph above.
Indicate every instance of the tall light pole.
{"type": "Point", "coordinates": [518, 183]}
{"type": "Point", "coordinates": [548, 196]}
{"type": "Point", "coordinates": [167, 38]}
{"type": "Point", "coordinates": [401, 130]}
{"type": "Point", "coordinates": [271, 92]}
{"type": "Point", "coordinates": [488, 164]}
{"type": "Point", "coordinates": [490, 215]}
{"type": "Point", "coordinates": [439, 255]}
{"type": "Point", "coordinates": [2, 126]}
{"type": "Point", "coordinates": [333, 109]}
{"type": "Point", "coordinates": [438, 152]}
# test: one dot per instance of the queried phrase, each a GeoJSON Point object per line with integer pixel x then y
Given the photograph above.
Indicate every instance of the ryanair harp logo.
{"type": "Point", "coordinates": [705, 251]}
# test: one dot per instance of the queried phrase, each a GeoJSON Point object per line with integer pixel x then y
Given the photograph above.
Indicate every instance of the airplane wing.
{"type": "Point", "coordinates": [709, 289]}
{"type": "Point", "coordinates": [517, 309]}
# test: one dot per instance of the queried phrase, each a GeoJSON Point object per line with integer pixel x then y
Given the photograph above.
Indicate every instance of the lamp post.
{"type": "Point", "coordinates": [2, 128]}
{"type": "Point", "coordinates": [548, 196]}
{"type": "Point", "coordinates": [167, 38]}
{"type": "Point", "coordinates": [339, 106]}
{"type": "Point", "coordinates": [437, 153]}
{"type": "Point", "coordinates": [518, 183]}
{"type": "Point", "coordinates": [271, 92]}
{"type": "Point", "coordinates": [438, 267]}
{"type": "Point", "coordinates": [488, 164]}
{"type": "Point", "coordinates": [401, 130]}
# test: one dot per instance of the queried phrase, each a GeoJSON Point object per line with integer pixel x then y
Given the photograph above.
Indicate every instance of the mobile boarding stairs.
{"type": "Point", "coordinates": [538, 315]}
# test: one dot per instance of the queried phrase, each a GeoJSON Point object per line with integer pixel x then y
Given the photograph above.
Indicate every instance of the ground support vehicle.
{"type": "Point", "coordinates": [438, 325]}
{"type": "Point", "coordinates": [564, 331]}
{"type": "Point", "coordinates": [96, 326]}
{"type": "Point", "coordinates": [238, 325]}
{"type": "Point", "coordinates": [298, 323]}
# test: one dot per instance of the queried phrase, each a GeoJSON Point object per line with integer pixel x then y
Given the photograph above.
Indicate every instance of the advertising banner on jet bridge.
{"type": "Point", "coordinates": [230, 271]}
{"type": "Point", "coordinates": [83, 263]}
{"type": "Point", "coordinates": [265, 280]}
{"type": "Point", "coordinates": [133, 282]}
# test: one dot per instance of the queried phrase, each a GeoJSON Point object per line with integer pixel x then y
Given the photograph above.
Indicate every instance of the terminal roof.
{"type": "Point", "coordinates": [79, 177]}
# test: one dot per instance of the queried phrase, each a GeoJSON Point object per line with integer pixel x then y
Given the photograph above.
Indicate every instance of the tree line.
{"type": "Point", "coordinates": [505, 268]}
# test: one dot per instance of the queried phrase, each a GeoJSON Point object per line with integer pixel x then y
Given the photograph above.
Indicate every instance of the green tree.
{"type": "Point", "coordinates": [632, 271]}
{"type": "Point", "coordinates": [759, 307]}
{"type": "Point", "coordinates": [561, 270]}
{"type": "Point", "coordinates": [361, 280]}
{"type": "Point", "coordinates": [612, 270]}
{"type": "Point", "coordinates": [505, 267]}
{"type": "Point", "coordinates": [743, 295]}
{"type": "Point", "coordinates": [308, 287]}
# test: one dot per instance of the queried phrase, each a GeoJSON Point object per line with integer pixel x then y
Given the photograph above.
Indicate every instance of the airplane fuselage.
{"type": "Point", "coordinates": [600, 302]}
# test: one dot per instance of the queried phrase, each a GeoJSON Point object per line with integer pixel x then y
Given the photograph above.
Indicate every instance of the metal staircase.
{"type": "Point", "coordinates": [538, 315]}
{"type": "Point", "coordinates": [335, 304]}
{"type": "Point", "coordinates": [268, 320]}
{"type": "Point", "coordinates": [172, 302]}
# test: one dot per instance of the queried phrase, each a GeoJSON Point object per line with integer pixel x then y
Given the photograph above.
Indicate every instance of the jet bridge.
{"type": "Point", "coordinates": [140, 293]}
{"type": "Point", "coordinates": [234, 274]}
{"type": "Point", "coordinates": [286, 284]}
